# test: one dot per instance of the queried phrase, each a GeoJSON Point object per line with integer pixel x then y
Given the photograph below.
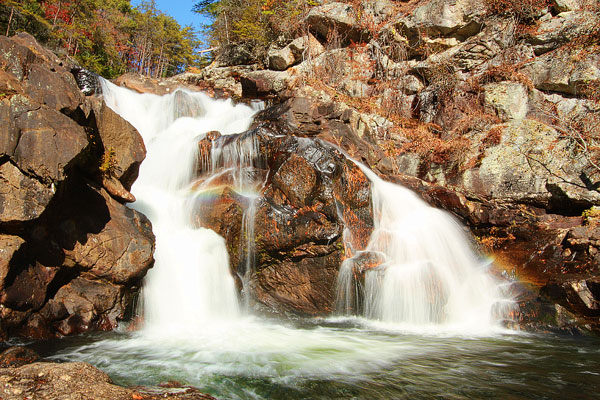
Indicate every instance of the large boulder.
{"type": "Point", "coordinates": [72, 255]}
{"type": "Point", "coordinates": [566, 26]}
{"type": "Point", "coordinates": [311, 193]}
{"type": "Point", "coordinates": [22, 198]}
{"type": "Point", "coordinates": [333, 122]}
{"type": "Point", "coordinates": [343, 23]}
{"type": "Point", "coordinates": [8, 246]}
{"type": "Point", "coordinates": [49, 143]}
{"type": "Point", "coordinates": [508, 99]}
{"type": "Point", "coordinates": [337, 17]}
{"type": "Point", "coordinates": [123, 145]}
{"type": "Point", "coordinates": [569, 5]}
{"type": "Point", "coordinates": [520, 169]}
{"type": "Point", "coordinates": [265, 83]}
{"type": "Point", "coordinates": [80, 265]}
{"type": "Point", "coordinates": [461, 18]}
{"type": "Point", "coordinates": [568, 70]}
{"type": "Point", "coordinates": [300, 49]}
{"type": "Point", "coordinates": [281, 59]}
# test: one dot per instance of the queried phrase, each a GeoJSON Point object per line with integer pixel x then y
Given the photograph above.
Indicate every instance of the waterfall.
{"type": "Point", "coordinates": [422, 268]}
{"type": "Point", "coordinates": [429, 273]}
{"type": "Point", "coordinates": [190, 283]}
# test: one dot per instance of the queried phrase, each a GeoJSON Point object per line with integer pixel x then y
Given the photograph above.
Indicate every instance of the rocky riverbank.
{"type": "Point", "coordinates": [22, 377]}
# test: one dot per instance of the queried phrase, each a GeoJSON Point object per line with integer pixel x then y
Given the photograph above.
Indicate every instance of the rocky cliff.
{"type": "Point", "coordinates": [486, 109]}
{"type": "Point", "coordinates": [72, 255]}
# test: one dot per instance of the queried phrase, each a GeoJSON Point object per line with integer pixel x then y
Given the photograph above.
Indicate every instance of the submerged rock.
{"type": "Point", "coordinates": [17, 356]}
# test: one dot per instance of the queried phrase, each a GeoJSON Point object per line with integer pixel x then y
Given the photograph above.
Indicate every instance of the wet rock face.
{"type": "Point", "coordinates": [307, 193]}
{"type": "Point", "coordinates": [71, 254]}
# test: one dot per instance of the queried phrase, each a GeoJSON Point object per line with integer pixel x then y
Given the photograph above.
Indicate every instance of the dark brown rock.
{"type": "Point", "coordinates": [28, 288]}
{"type": "Point", "coordinates": [54, 90]}
{"type": "Point", "coordinates": [79, 265]}
{"type": "Point", "coordinates": [115, 188]}
{"type": "Point", "coordinates": [22, 198]}
{"type": "Point", "coordinates": [8, 131]}
{"type": "Point", "coordinates": [49, 142]}
{"type": "Point", "coordinates": [304, 286]}
{"type": "Point", "coordinates": [296, 179]}
{"type": "Point", "coordinates": [223, 213]}
{"type": "Point", "coordinates": [121, 142]}
{"type": "Point", "coordinates": [89, 304]}
{"type": "Point", "coordinates": [71, 257]}
{"type": "Point", "coordinates": [8, 246]}
{"type": "Point", "coordinates": [579, 296]}
{"type": "Point", "coordinates": [118, 249]}
{"type": "Point", "coordinates": [310, 190]}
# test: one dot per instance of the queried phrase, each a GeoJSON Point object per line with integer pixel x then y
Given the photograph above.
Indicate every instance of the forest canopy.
{"type": "Point", "coordinates": [253, 24]}
{"type": "Point", "coordinates": [109, 37]}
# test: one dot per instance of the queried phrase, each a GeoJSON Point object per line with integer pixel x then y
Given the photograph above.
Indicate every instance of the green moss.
{"type": "Point", "coordinates": [591, 215]}
{"type": "Point", "coordinates": [108, 162]}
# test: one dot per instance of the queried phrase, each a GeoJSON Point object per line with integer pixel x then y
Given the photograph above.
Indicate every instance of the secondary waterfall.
{"type": "Point", "coordinates": [428, 272]}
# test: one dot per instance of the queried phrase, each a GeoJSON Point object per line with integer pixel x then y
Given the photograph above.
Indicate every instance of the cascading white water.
{"type": "Point", "coordinates": [197, 333]}
{"type": "Point", "coordinates": [429, 274]}
{"type": "Point", "coordinates": [190, 284]}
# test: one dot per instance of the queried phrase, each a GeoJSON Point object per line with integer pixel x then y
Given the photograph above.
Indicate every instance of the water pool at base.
{"type": "Point", "coordinates": [344, 359]}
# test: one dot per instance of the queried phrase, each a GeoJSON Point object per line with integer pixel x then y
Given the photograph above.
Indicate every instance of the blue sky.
{"type": "Point", "coordinates": [181, 10]}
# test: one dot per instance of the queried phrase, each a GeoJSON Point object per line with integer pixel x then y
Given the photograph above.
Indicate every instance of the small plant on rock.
{"type": "Point", "coordinates": [591, 216]}
{"type": "Point", "coordinates": [108, 162]}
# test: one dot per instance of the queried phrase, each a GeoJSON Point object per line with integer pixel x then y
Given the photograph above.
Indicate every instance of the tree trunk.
{"type": "Point", "coordinates": [12, 11]}
{"type": "Point", "coordinates": [142, 57]}
{"type": "Point", "coordinates": [160, 60]}
{"type": "Point", "coordinates": [56, 14]}
{"type": "Point", "coordinates": [226, 28]}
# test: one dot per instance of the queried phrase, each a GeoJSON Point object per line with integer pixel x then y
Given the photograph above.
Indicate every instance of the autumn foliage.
{"type": "Point", "coordinates": [109, 37]}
